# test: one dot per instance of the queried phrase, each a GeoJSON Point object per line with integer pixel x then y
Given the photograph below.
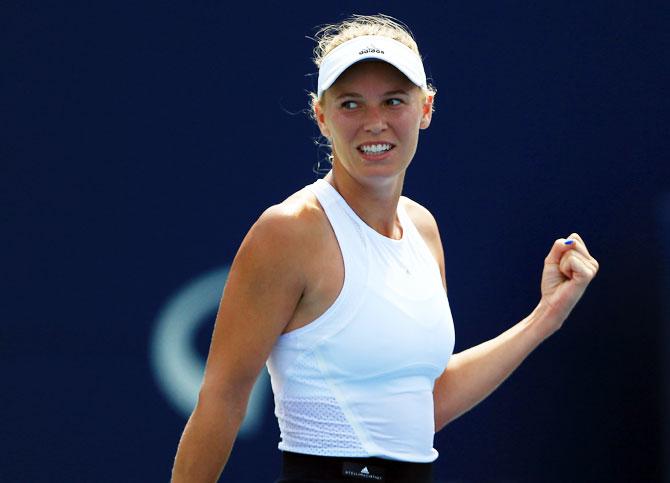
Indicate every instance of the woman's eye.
{"type": "Point", "coordinates": [394, 102]}
{"type": "Point", "coordinates": [349, 104]}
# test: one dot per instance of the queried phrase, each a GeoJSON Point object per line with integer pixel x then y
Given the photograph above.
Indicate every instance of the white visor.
{"type": "Point", "coordinates": [370, 47]}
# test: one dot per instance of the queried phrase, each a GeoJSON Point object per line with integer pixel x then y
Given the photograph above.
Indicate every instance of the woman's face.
{"type": "Point", "coordinates": [372, 116]}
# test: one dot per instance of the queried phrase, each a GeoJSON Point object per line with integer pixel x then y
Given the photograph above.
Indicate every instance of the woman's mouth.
{"type": "Point", "coordinates": [375, 150]}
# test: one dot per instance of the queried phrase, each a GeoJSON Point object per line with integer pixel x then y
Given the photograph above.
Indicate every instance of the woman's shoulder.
{"type": "Point", "coordinates": [422, 218]}
{"type": "Point", "coordinates": [298, 218]}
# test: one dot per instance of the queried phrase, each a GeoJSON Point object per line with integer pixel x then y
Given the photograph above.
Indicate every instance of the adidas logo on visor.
{"type": "Point", "coordinates": [372, 50]}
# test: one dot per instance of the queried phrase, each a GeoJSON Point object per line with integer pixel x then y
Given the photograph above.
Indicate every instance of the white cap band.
{"type": "Point", "coordinates": [370, 47]}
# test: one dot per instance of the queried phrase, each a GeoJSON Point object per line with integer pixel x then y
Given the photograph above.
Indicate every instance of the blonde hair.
{"type": "Point", "coordinates": [330, 36]}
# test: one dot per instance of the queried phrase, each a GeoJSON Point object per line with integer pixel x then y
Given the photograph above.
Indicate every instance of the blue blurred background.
{"type": "Point", "coordinates": [140, 140]}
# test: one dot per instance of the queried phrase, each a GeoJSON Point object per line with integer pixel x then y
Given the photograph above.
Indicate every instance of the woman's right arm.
{"type": "Point", "coordinates": [263, 289]}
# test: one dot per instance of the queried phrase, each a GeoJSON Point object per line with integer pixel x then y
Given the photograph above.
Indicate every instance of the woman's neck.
{"type": "Point", "coordinates": [376, 203]}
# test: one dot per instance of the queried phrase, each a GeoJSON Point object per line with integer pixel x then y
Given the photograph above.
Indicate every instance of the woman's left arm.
{"type": "Point", "coordinates": [475, 373]}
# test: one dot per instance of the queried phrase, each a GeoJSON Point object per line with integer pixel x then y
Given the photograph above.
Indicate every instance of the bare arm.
{"type": "Point", "coordinates": [475, 373]}
{"type": "Point", "coordinates": [263, 289]}
{"type": "Point", "coordinates": [472, 375]}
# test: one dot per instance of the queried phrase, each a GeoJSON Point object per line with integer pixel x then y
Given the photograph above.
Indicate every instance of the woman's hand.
{"type": "Point", "coordinates": [568, 270]}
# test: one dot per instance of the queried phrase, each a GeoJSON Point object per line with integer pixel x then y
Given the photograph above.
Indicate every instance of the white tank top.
{"type": "Point", "coordinates": [358, 380]}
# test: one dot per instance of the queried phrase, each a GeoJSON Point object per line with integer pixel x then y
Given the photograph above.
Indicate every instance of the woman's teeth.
{"type": "Point", "coordinates": [375, 148]}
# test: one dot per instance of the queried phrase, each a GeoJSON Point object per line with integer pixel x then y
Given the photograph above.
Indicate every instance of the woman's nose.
{"type": "Point", "coordinates": [375, 121]}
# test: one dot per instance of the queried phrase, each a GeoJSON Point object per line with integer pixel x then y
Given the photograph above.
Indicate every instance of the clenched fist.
{"type": "Point", "coordinates": [568, 270]}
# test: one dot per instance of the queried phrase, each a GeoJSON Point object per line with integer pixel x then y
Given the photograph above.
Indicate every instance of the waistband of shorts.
{"type": "Point", "coordinates": [355, 469]}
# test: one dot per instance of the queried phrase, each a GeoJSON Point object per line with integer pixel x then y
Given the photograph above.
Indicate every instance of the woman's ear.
{"type": "Point", "coordinates": [427, 112]}
{"type": "Point", "coordinates": [320, 118]}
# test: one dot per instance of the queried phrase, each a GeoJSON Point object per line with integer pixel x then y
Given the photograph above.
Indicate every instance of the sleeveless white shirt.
{"type": "Point", "coordinates": [358, 380]}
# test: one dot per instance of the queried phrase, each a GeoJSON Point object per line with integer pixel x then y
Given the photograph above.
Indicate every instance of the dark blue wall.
{"type": "Point", "coordinates": [140, 141]}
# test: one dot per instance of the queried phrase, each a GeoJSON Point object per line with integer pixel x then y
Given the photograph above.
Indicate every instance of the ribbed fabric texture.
{"type": "Point", "coordinates": [358, 380]}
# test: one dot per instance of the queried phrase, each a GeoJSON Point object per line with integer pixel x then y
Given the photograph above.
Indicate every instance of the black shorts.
{"type": "Point", "coordinates": [302, 468]}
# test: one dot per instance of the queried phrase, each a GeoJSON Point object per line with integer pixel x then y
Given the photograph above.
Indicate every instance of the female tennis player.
{"type": "Point", "coordinates": [340, 289]}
